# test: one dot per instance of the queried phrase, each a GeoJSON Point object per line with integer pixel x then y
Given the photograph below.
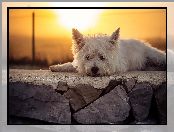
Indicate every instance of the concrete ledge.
{"type": "Point", "coordinates": [69, 98]}
{"type": "Point", "coordinates": [73, 79]}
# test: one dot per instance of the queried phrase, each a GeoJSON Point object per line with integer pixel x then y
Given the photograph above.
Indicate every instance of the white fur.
{"type": "Point", "coordinates": [119, 55]}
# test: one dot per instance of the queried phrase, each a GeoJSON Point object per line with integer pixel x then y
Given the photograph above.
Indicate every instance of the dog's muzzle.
{"type": "Point", "coordinates": [94, 70]}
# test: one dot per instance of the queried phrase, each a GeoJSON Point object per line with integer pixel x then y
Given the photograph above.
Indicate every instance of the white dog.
{"type": "Point", "coordinates": [99, 55]}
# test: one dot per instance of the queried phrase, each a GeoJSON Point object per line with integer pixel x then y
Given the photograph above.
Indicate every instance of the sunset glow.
{"type": "Point", "coordinates": [81, 19]}
{"type": "Point", "coordinates": [53, 37]}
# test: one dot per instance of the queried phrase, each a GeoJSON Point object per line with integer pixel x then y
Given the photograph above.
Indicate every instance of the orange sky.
{"type": "Point", "coordinates": [53, 37]}
{"type": "Point", "coordinates": [133, 22]}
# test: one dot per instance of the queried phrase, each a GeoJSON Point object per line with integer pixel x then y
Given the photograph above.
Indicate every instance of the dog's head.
{"type": "Point", "coordinates": [94, 55]}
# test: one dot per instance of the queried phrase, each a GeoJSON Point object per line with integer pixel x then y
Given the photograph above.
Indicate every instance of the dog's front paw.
{"type": "Point", "coordinates": [66, 67]}
{"type": "Point", "coordinates": [54, 68]}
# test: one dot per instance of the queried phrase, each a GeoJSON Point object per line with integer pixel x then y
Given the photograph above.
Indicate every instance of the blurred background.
{"type": "Point", "coordinates": [42, 37]}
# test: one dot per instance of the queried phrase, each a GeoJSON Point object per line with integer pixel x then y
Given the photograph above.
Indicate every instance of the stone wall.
{"type": "Point", "coordinates": [45, 97]}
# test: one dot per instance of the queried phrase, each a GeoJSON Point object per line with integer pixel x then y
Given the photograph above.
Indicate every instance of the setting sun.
{"type": "Point", "coordinates": [78, 18]}
{"type": "Point", "coordinates": [53, 37]}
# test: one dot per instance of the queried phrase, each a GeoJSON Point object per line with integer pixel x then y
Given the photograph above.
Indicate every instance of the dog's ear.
{"type": "Point", "coordinates": [78, 40]}
{"type": "Point", "coordinates": [114, 39]}
{"type": "Point", "coordinates": [115, 35]}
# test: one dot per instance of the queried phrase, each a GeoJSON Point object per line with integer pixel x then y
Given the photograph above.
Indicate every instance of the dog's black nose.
{"type": "Point", "coordinates": [94, 70]}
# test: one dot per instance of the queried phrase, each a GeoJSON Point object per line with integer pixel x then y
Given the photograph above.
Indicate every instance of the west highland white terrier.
{"type": "Point", "coordinates": [99, 55]}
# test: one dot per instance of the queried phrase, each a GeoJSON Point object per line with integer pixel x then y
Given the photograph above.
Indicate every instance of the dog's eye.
{"type": "Point", "coordinates": [101, 57]}
{"type": "Point", "coordinates": [112, 42]}
{"type": "Point", "coordinates": [87, 57]}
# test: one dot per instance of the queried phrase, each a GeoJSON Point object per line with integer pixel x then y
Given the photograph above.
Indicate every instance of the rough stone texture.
{"type": "Point", "coordinates": [38, 102]}
{"type": "Point", "coordinates": [140, 100]}
{"type": "Point", "coordinates": [62, 87]}
{"type": "Point", "coordinates": [112, 108]}
{"type": "Point", "coordinates": [82, 95]}
{"type": "Point", "coordinates": [36, 94]}
{"type": "Point", "coordinates": [112, 84]}
{"type": "Point", "coordinates": [161, 101]}
{"type": "Point", "coordinates": [130, 83]}
{"type": "Point", "coordinates": [73, 79]}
